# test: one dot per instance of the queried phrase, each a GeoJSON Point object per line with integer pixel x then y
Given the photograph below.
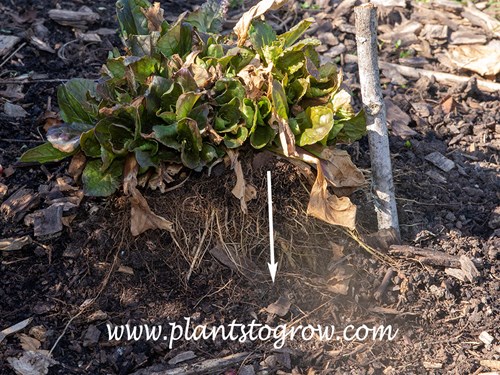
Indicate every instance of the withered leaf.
{"type": "Point", "coordinates": [287, 138]}
{"type": "Point", "coordinates": [243, 25]}
{"type": "Point", "coordinates": [340, 171]}
{"type": "Point", "coordinates": [141, 216]}
{"type": "Point", "coordinates": [243, 191]}
{"type": "Point", "coordinates": [328, 207]}
{"type": "Point", "coordinates": [154, 15]}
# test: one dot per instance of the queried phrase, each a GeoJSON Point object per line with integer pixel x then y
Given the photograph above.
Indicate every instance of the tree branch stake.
{"type": "Point", "coordinates": [373, 103]}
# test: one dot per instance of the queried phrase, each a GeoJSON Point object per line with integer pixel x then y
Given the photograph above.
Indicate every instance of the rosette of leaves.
{"type": "Point", "coordinates": [182, 93]}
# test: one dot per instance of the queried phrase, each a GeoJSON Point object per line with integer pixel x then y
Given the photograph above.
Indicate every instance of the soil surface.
{"type": "Point", "coordinates": [213, 269]}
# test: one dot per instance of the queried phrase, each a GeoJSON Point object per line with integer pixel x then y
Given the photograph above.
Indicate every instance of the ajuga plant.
{"type": "Point", "coordinates": [181, 93]}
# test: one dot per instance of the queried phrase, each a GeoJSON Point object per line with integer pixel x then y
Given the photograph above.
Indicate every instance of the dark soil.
{"type": "Point", "coordinates": [95, 273]}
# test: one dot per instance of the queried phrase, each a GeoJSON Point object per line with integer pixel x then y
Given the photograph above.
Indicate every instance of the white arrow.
{"type": "Point", "coordinates": [273, 266]}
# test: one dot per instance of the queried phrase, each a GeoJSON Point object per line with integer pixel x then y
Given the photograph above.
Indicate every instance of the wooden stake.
{"type": "Point", "coordinates": [373, 103]}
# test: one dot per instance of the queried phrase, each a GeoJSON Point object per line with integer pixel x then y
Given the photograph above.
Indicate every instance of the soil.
{"type": "Point", "coordinates": [95, 273]}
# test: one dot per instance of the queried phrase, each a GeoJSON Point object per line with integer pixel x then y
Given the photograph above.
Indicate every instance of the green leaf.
{"type": "Point", "coordinates": [321, 121]}
{"type": "Point", "coordinates": [145, 152]}
{"type": "Point", "coordinates": [107, 157]}
{"type": "Point", "coordinates": [142, 67]}
{"type": "Point", "coordinates": [99, 183]}
{"type": "Point", "coordinates": [215, 50]}
{"type": "Point", "coordinates": [186, 79]}
{"type": "Point", "coordinates": [168, 117]}
{"type": "Point", "coordinates": [338, 125]}
{"type": "Point", "coordinates": [90, 145]}
{"type": "Point", "coordinates": [167, 135]}
{"type": "Point", "coordinates": [177, 40]}
{"type": "Point", "coordinates": [318, 92]}
{"type": "Point", "coordinates": [308, 46]}
{"type": "Point", "coordinates": [192, 144]}
{"type": "Point", "coordinates": [185, 104]}
{"type": "Point", "coordinates": [145, 159]}
{"type": "Point", "coordinates": [132, 20]}
{"type": "Point", "coordinates": [272, 52]}
{"type": "Point", "coordinates": [45, 153]}
{"type": "Point", "coordinates": [157, 87]}
{"type": "Point", "coordinates": [115, 68]}
{"type": "Point", "coordinates": [294, 34]}
{"type": "Point", "coordinates": [228, 117]}
{"type": "Point", "coordinates": [261, 34]}
{"type": "Point", "coordinates": [248, 110]}
{"type": "Point", "coordinates": [262, 136]}
{"type": "Point", "coordinates": [297, 90]}
{"type": "Point", "coordinates": [143, 45]}
{"type": "Point", "coordinates": [291, 62]}
{"type": "Point", "coordinates": [240, 60]}
{"type": "Point", "coordinates": [66, 137]}
{"type": "Point", "coordinates": [114, 132]}
{"type": "Point", "coordinates": [279, 100]}
{"type": "Point", "coordinates": [120, 137]}
{"type": "Point", "coordinates": [310, 50]}
{"type": "Point", "coordinates": [169, 98]}
{"type": "Point", "coordinates": [168, 155]}
{"type": "Point", "coordinates": [208, 153]}
{"type": "Point", "coordinates": [341, 104]}
{"type": "Point", "coordinates": [77, 101]}
{"type": "Point", "coordinates": [327, 72]}
{"type": "Point", "coordinates": [208, 18]}
{"type": "Point", "coordinates": [354, 128]}
{"type": "Point", "coordinates": [294, 126]}
{"type": "Point", "coordinates": [236, 140]}
{"type": "Point", "coordinates": [227, 89]}
{"type": "Point", "coordinates": [265, 108]}
{"type": "Point", "coordinates": [200, 115]}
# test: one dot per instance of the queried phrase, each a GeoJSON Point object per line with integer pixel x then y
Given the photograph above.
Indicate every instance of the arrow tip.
{"type": "Point", "coordinates": [273, 268]}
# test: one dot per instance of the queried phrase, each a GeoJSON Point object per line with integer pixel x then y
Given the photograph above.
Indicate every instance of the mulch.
{"type": "Point", "coordinates": [91, 271]}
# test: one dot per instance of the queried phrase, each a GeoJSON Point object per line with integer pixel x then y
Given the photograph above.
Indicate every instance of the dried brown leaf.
{"type": "Point", "coordinates": [141, 216]}
{"type": "Point", "coordinates": [338, 282]}
{"type": "Point", "coordinates": [32, 363]}
{"type": "Point", "coordinates": [337, 251]}
{"type": "Point", "coordinates": [286, 136]}
{"type": "Point", "coordinates": [13, 91]}
{"type": "Point", "coordinates": [3, 188]}
{"type": "Point", "coordinates": [481, 59]}
{"type": "Point", "coordinates": [448, 105]}
{"type": "Point", "coordinates": [130, 171]}
{"type": "Point", "coordinates": [156, 182]}
{"type": "Point", "coordinates": [254, 80]}
{"type": "Point", "coordinates": [127, 270]}
{"type": "Point", "coordinates": [201, 75]}
{"type": "Point", "coordinates": [28, 342]}
{"type": "Point", "coordinates": [77, 165]}
{"type": "Point", "coordinates": [328, 207]}
{"type": "Point", "coordinates": [399, 120]}
{"type": "Point", "coordinates": [243, 191]}
{"type": "Point", "coordinates": [154, 15]}
{"type": "Point", "coordinates": [280, 307]}
{"type": "Point", "coordinates": [241, 28]}
{"type": "Point", "coordinates": [340, 171]}
{"type": "Point", "coordinates": [41, 45]}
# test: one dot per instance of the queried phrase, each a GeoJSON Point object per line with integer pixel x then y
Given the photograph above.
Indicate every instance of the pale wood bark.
{"type": "Point", "coordinates": [373, 103]}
